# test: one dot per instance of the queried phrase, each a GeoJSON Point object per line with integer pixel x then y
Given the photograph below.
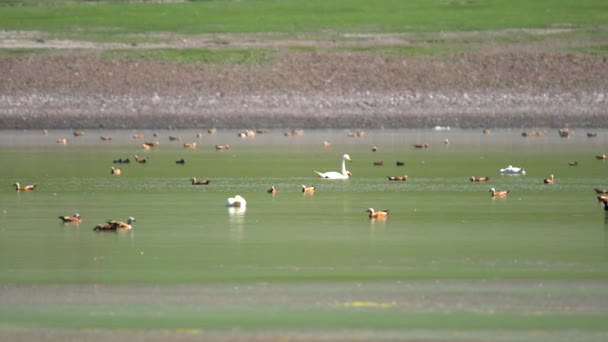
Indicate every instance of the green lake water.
{"type": "Point", "coordinates": [441, 227]}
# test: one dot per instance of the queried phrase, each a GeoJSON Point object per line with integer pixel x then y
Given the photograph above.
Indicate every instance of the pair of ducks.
{"type": "Point", "coordinates": [110, 225]}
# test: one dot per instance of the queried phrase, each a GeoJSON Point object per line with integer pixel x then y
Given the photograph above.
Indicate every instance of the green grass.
{"type": "Point", "coordinates": [290, 16]}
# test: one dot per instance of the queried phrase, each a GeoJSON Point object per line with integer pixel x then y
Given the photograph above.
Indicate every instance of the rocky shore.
{"type": "Point", "coordinates": [306, 90]}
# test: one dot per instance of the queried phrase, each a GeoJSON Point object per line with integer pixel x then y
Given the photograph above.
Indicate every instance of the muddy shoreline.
{"type": "Point", "coordinates": [501, 89]}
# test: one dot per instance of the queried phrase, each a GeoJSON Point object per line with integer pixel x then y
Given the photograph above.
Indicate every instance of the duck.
{"type": "Point", "coordinates": [512, 170]}
{"type": "Point", "coordinates": [379, 163]}
{"type": "Point", "coordinates": [601, 191]}
{"type": "Point", "coordinates": [71, 218]}
{"type": "Point", "coordinates": [381, 214]}
{"type": "Point", "coordinates": [152, 143]}
{"type": "Point", "coordinates": [601, 157]}
{"type": "Point", "coordinates": [479, 179]}
{"type": "Point", "coordinates": [337, 175]}
{"type": "Point", "coordinates": [308, 189]}
{"type": "Point", "coordinates": [141, 160]}
{"type": "Point", "coordinates": [550, 180]}
{"type": "Point", "coordinates": [180, 161]}
{"type": "Point", "coordinates": [199, 182]}
{"type": "Point", "coordinates": [222, 147]}
{"type": "Point", "coordinates": [272, 190]}
{"type": "Point", "coordinates": [421, 145]}
{"type": "Point", "coordinates": [397, 178]}
{"type": "Point", "coordinates": [573, 163]}
{"type": "Point", "coordinates": [18, 187]}
{"type": "Point", "coordinates": [499, 193]}
{"type": "Point", "coordinates": [105, 138]}
{"type": "Point", "coordinates": [121, 161]}
{"type": "Point", "coordinates": [602, 198]}
{"type": "Point", "coordinates": [62, 141]}
{"type": "Point", "coordinates": [591, 134]}
{"type": "Point", "coordinates": [138, 137]}
{"type": "Point", "coordinates": [111, 225]}
{"type": "Point", "coordinates": [326, 143]}
{"type": "Point", "coordinates": [236, 202]}
{"type": "Point", "coordinates": [116, 171]}
{"type": "Point", "coordinates": [399, 163]}
{"type": "Point", "coordinates": [191, 145]}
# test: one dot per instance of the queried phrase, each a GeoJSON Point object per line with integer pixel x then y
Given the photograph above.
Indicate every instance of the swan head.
{"type": "Point", "coordinates": [492, 190]}
{"type": "Point", "coordinates": [346, 157]}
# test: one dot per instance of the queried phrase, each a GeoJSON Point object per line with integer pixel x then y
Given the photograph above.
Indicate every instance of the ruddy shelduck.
{"type": "Point", "coordinates": [397, 178]}
{"type": "Point", "coordinates": [62, 141]}
{"type": "Point", "coordinates": [550, 180]}
{"type": "Point", "coordinates": [138, 137]}
{"type": "Point", "coordinates": [199, 182]}
{"type": "Point", "coordinates": [152, 144]}
{"type": "Point", "coordinates": [601, 157]}
{"type": "Point", "coordinates": [116, 171]}
{"type": "Point", "coordinates": [381, 214]}
{"type": "Point", "coordinates": [308, 189]}
{"type": "Point", "coordinates": [141, 160]}
{"type": "Point", "coordinates": [601, 191]}
{"type": "Point", "coordinates": [222, 147]}
{"type": "Point", "coordinates": [479, 179]}
{"type": "Point", "coordinates": [18, 187]}
{"type": "Point", "coordinates": [191, 145]}
{"type": "Point", "coordinates": [421, 145]}
{"type": "Point", "coordinates": [272, 190]}
{"type": "Point", "coordinates": [602, 198]}
{"type": "Point", "coordinates": [71, 218]}
{"type": "Point", "coordinates": [495, 193]}
{"type": "Point", "coordinates": [115, 225]}
{"type": "Point", "coordinates": [105, 138]}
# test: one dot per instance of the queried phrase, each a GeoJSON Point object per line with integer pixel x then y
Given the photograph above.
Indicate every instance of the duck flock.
{"type": "Point", "coordinates": [238, 202]}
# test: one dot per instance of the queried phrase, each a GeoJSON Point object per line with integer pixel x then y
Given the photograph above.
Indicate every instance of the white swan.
{"type": "Point", "coordinates": [512, 170]}
{"type": "Point", "coordinates": [236, 202]}
{"type": "Point", "coordinates": [334, 174]}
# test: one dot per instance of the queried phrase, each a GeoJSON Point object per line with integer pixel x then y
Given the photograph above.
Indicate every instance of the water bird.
{"type": "Point", "coordinates": [487, 131]}
{"type": "Point", "coordinates": [564, 132]}
{"type": "Point", "coordinates": [397, 178]}
{"type": "Point", "coordinates": [343, 174]}
{"type": "Point", "coordinates": [512, 170]}
{"type": "Point", "coordinates": [191, 145]}
{"type": "Point", "coordinates": [381, 214]}
{"type": "Point", "coordinates": [550, 180]}
{"type": "Point", "coordinates": [236, 202]}
{"type": "Point", "coordinates": [180, 161]}
{"type": "Point", "coordinates": [421, 145]}
{"type": "Point", "coordinates": [272, 190]}
{"type": "Point", "coordinates": [18, 187]}
{"type": "Point", "coordinates": [326, 143]}
{"type": "Point", "coordinates": [212, 131]}
{"type": "Point", "coordinates": [105, 138]}
{"type": "Point", "coordinates": [379, 163]}
{"type": "Point", "coordinates": [115, 225]}
{"type": "Point", "coordinates": [591, 134]}
{"type": "Point", "coordinates": [138, 137]}
{"type": "Point", "coordinates": [78, 133]}
{"type": "Point", "coordinates": [573, 163]}
{"type": "Point", "coordinates": [151, 144]}
{"type": "Point", "coordinates": [222, 147]}
{"type": "Point", "coordinates": [602, 198]}
{"type": "Point", "coordinates": [601, 191]}
{"type": "Point", "coordinates": [71, 218]}
{"type": "Point", "coordinates": [374, 149]}
{"type": "Point", "coordinates": [308, 189]}
{"type": "Point", "coordinates": [173, 138]}
{"type": "Point", "coordinates": [601, 157]}
{"type": "Point", "coordinates": [62, 141]}
{"type": "Point", "coordinates": [116, 171]}
{"type": "Point", "coordinates": [400, 163]}
{"type": "Point", "coordinates": [199, 182]}
{"type": "Point", "coordinates": [141, 160]}
{"type": "Point", "coordinates": [121, 161]}
{"type": "Point", "coordinates": [479, 179]}
{"type": "Point", "coordinates": [495, 193]}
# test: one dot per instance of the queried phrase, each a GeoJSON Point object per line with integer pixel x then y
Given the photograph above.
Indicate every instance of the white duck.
{"type": "Point", "coordinates": [512, 170]}
{"type": "Point", "coordinates": [336, 175]}
{"type": "Point", "coordinates": [236, 202]}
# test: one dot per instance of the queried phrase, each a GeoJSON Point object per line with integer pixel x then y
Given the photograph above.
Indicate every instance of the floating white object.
{"type": "Point", "coordinates": [236, 202]}
{"type": "Point", "coordinates": [336, 175]}
{"type": "Point", "coordinates": [512, 170]}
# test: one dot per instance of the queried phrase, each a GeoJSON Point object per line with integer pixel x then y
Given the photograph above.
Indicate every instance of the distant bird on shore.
{"type": "Point", "coordinates": [18, 187]}
{"type": "Point", "coordinates": [381, 214]}
{"type": "Point", "coordinates": [71, 218]}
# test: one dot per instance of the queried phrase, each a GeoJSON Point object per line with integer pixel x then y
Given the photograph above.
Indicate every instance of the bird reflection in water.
{"type": "Point", "coordinates": [236, 220]}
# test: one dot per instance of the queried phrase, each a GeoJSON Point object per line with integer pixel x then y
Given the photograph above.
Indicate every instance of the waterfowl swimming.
{"type": "Point", "coordinates": [564, 132]}
{"type": "Point", "coordinates": [601, 191]}
{"type": "Point", "coordinates": [236, 202]}
{"type": "Point", "coordinates": [308, 189]}
{"type": "Point", "coordinates": [421, 145]}
{"type": "Point", "coordinates": [382, 214]}
{"type": "Point", "coordinates": [71, 218]}
{"type": "Point", "coordinates": [180, 161]}
{"type": "Point", "coordinates": [138, 137]}
{"type": "Point", "coordinates": [115, 225]}
{"type": "Point", "coordinates": [222, 147]}
{"type": "Point", "coordinates": [602, 198]}
{"type": "Point", "coordinates": [550, 180]}
{"type": "Point", "coordinates": [479, 179]}
{"type": "Point", "coordinates": [191, 145]}
{"type": "Point", "coordinates": [336, 175]}
{"type": "Point", "coordinates": [400, 163]}
{"type": "Point", "coordinates": [62, 141]}
{"type": "Point", "coordinates": [601, 157]}
{"type": "Point", "coordinates": [152, 143]}
{"type": "Point", "coordinates": [173, 138]}
{"type": "Point", "coordinates": [512, 170]}
{"type": "Point", "coordinates": [116, 171]}
{"type": "Point", "coordinates": [18, 187]}
{"type": "Point", "coordinates": [591, 134]}
{"type": "Point", "coordinates": [121, 161]}
{"type": "Point", "coordinates": [397, 178]}
{"type": "Point", "coordinates": [78, 133]}
{"type": "Point", "coordinates": [141, 160]}
{"type": "Point", "coordinates": [326, 143]}
{"type": "Point", "coordinates": [105, 138]}
{"type": "Point", "coordinates": [379, 163]}
{"type": "Point", "coordinates": [199, 182]}
{"type": "Point", "coordinates": [573, 163]}
{"type": "Point", "coordinates": [272, 190]}
{"type": "Point", "coordinates": [499, 193]}
{"type": "Point", "coordinates": [374, 149]}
